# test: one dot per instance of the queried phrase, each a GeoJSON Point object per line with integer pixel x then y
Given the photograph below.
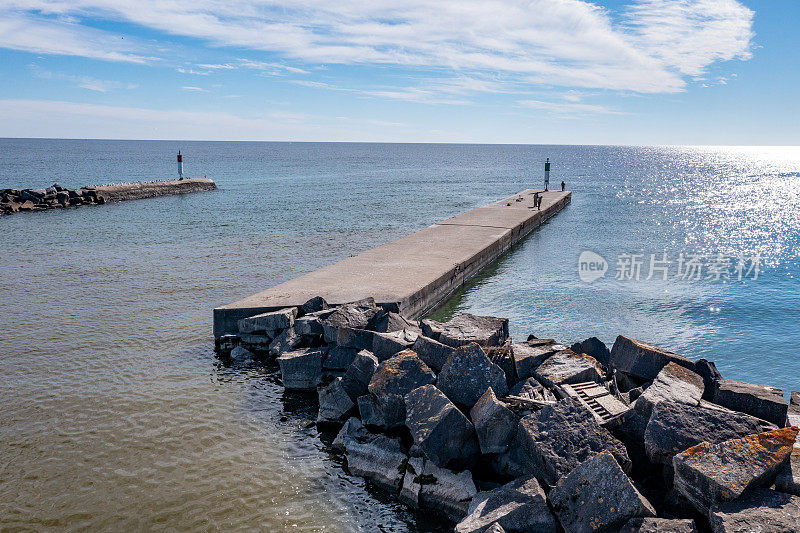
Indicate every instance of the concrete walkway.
{"type": "Point", "coordinates": [414, 273]}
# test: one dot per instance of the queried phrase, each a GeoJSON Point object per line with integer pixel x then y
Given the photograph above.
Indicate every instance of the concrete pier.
{"type": "Point", "coordinates": [151, 189]}
{"type": "Point", "coordinates": [414, 273]}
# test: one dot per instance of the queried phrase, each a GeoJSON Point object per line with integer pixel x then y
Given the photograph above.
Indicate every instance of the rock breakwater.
{"type": "Point", "coordinates": [56, 196]}
{"type": "Point", "coordinates": [496, 435]}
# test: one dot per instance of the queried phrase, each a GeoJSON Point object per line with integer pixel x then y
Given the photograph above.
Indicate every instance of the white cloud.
{"type": "Point", "coordinates": [194, 89]}
{"type": "Point", "coordinates": [84, 82]}
{"type": "Point", "coordinates": [29, 118]}
{"type": "Point", "coordinates": [569, 109]}
{"type": "Point", "coordinates": [649, 46]}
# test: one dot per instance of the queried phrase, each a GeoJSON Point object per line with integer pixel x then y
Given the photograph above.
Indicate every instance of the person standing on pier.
{"type": "Point", "coordinates": [562, 186]}
{"type": "Point", "coordinates": [547, 174]}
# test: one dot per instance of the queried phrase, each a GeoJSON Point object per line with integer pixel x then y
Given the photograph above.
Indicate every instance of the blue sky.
{"type": "Point", "coordinates": [496, 71]}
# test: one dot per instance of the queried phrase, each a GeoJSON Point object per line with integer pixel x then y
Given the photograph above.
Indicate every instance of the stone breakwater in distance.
{"type": "Point", "coordinates": [56, 196]}
{"type": "Point", "coordinates": [495, 435]}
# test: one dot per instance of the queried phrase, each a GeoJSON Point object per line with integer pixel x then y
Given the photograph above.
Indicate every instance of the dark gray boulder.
{"type": "Point", "coordinates": [370, 412]}
{"type": "Point", "coordinates": [711, 474]}
{"type": "Point", "coordinates": [659, 525]}
{"type": "Point", "coordinates": [568, 367]}
{"type": "Point", "coordinates": [340, 358]}
{"type": "Point", "coordinates": [381, 460]}
{"type": "Point", "coordinates": [597, 496]}
{"type": "Point", "coordinates": [552, 442]}
{"type": "Point", "coordinates": [431, 328]}
{"type": "Point", "coordinates": [360, 339]}
{"type": "Point", "coordinates": [673, 383]}
{"type": "Point", "coordinates": [394, 378]}
{"type": "Point", "coordinates": [437, 426]}
{"type": "Point", "coordinates": [445, 491]}
{"type": "Point", "coordinates": [358, 375]}
{"type": "Point", "coordinates": [675, 427]}
{"type": "Point", "coordinates": [788, 479]}
{"type": "Point", "coordinates": [412, 481]}
{"type": "Point", "coordinates": [352, 428]}
{"type": "Point", "coordinates": [433, 353]}
{"type": "Point", "coordinates": [503, 357]}
{"type": "Point", "coordinates": [468, 373]}
{"type": "Point", "coordinates": [643, 360]}
{"type": "Point", "coordinates": [314, 305]}
{"type": "Point", "coordinates": [495, 424]}
{"type": "Point", "coordinates": [760, 510]}
{"type": "Point", "coordinates": [359, 315]}
{"type": "Point", "coordinates": [595, 348]}
{"type": "Point", "coordinates": [285, 341]}
{"type": "Point", "coordinates": [241, 354]}
{"type": "Point", "coordinates": [308, 325]}
{"type": "Point", "coordinates": [390, 322]}
{"type": "Point", "coordinates": [334, 403]}
{"type": "Point", "coordinates": [465, 329]}
{"type": "Point", "coordinates": [385, 345]}
{"type": "Point", "coordinates": [517, 506]}
{"type": "Point", "coordinates": [757, 400]}
{"type": "Point", "coordinates": [256, 343]}
{"type": "Point", "coordinates": [527, 358]}
{"type": "Point", "coordinates": [301, 369]}
{"type": "Point", "coordinates": [708, 371]}
{"type": "Point", "coordinates": [272, 321]}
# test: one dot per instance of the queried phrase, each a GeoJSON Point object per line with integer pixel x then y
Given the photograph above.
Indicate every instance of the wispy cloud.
{"type": "Point", "coordinates": [569, 109]}
{"type": "Point", "coordinates": [194, 89]}
{"type": "Point", "coordinates": [648, 46]}
{"type": "Point", "coordinates": [84, 82]}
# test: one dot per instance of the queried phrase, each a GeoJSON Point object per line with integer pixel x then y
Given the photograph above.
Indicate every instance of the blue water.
{"type": "Point", "coordinates": [116, 414]}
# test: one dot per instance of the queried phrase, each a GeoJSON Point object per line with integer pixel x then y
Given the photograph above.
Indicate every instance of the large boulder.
{"type": "Point", "coordinates": [358, 375]}
{"type": "Point", "coordinates": [339, 358]}
{"type": "Point", "coordinates": [759, 511]}
{"type": "Point", "coordinates": [437, 426]}
{"type": "Point", "coordinates": [370, 412]}
{"type": "Point", "coordinates": [595, 348]}
{"type": "Point", "coordinates": [433, 353]}
{"type": "Point", "coordinates": [389, 322]}
{"type": "Point", "coordinates": [301, 369]}
{"type": "Point", "coordinates": [396, 377]}
{"type": "Point", "coordinates": [675, 427]}
{"type": "Point", "coordinates": [334, 402]}
{"type": "Point", "coordinates": [711, 474]}
{"type": "Point", "coordinates": [385, 345]}
{"type": "Point", "coordinates": [468, 373]}
{"type": "Point", "coordinates": [446, 491]}
{"type": "Point", "coordinates": [285, 341]}
{"type": "Point", "coordinates": [351, 429]}
{"type": "Point", "coordinates": [380, 460]}
{"type": "Point", "coordinates": [465, 329]}
{"type": "Point", "coordinates": [309, 325]}
{"type": "Point", "coordinates": [568, 367]}
{"type": "Point", "coordinates": [269, 322]}
{"type": "Point", "coordinates": [757, 400]}
{"type": "Point", "coordinates": [527, 358]}
{"type": "Point", "coordinates": [412, 481]}
{"type": "Point", "coordinates": [708, 371]}
{"type": "Point", "coordinates": [643, 360]}
{"type": "Point", "coordinates": [360, 315]}
{"type": "Point", "coordinates": [597, 496]}
{"type": "Point", "coordinates": [788, 479]}
{"type": "Point", "coordinates": [495, 424]}
{"type": "Point", "coordinates": [517, 506]}
{"type": "Point", "coordinates": [673, 383]}
{"type": "Point", "coordinates": [659, 525]}
{"type": "Point", "coordinates": [360, 339]}
{"type": "Point", "coordinates": [502, 357]}
{"type": "Point", "coordinates": [431, 328]}
{"type": "Point", "coordinates": [315, 305]}
{"type": "Point", "coordinates": [555, 440]}
{"type": "Point", "coordinates": [256, 343]}
{"type": "Point", "coordinates": [240, 354]}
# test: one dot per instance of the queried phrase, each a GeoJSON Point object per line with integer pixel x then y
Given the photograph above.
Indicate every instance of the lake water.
{"type": "Point", "coordinates": [115, 413]}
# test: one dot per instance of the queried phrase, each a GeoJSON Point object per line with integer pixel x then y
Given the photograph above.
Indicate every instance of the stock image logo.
{"type": "Point", "coordinates": [689, 267]}
{"type": "Point", "coordinates": [591, 266]}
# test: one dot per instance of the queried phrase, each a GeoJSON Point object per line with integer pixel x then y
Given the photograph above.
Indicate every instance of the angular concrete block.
{"type": "Point", "coordinates": [643, 360]}
{"type": "Point", "coordinates": [468, 373]}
